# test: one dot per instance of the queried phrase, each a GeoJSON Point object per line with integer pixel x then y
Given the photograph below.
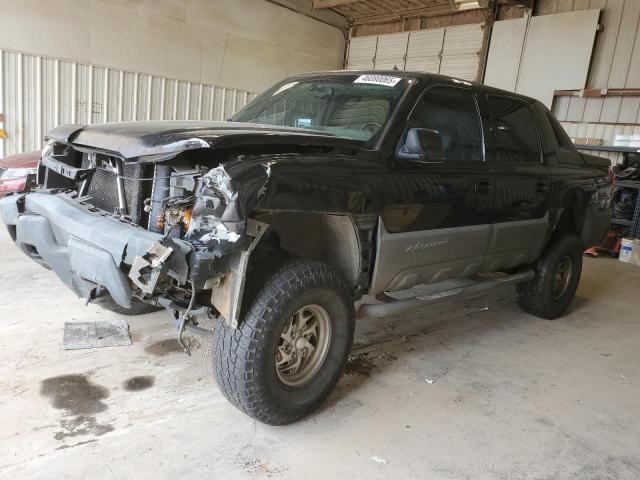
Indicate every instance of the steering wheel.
{"type": "Point", "coordinates": [371, 124]}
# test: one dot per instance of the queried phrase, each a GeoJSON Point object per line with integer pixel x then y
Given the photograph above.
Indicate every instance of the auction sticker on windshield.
{"type": "Point", "coordinates": [378, 80]}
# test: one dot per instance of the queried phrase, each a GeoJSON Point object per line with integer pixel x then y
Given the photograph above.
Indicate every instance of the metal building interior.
{"type": "Point", "coordinates": [470, 387]}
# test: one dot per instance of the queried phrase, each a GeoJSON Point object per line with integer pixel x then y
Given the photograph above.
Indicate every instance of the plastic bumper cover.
{"type": "Point", "coordinates": [84, 247]}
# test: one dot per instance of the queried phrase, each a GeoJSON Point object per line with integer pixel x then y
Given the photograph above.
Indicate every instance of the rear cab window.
{"type": "Point", "coordinates": [515, 132]}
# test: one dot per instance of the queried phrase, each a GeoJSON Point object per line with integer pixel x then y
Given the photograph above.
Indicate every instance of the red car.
{"type": "Point", "coordinates": [15, 171]}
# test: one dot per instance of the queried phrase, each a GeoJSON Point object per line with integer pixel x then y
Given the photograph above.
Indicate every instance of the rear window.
{"type": "Point", "coordinates": [514, 130]}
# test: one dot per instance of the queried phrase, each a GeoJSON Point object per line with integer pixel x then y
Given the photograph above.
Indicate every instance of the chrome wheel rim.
{"type": "Point", "coordinates": [303, 346]}
{"type": "Point", "coordinates": [562, 278]}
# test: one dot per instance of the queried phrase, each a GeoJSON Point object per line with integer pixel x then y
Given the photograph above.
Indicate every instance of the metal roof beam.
{"type": "Point", "coordinates": [307, 8]}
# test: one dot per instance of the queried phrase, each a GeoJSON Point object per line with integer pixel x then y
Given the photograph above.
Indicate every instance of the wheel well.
{"type": "Point", "coordinates": [572, 220]}
{"type": "Point", "coordinates": [330, 239]}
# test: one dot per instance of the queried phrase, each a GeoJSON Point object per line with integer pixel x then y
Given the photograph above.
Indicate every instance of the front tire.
{"type": "Point", "coordinates": [290, 348]}
{"type": "Point", "coordinates": [557, 274]}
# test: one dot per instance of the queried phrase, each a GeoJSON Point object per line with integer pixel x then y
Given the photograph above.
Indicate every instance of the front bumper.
{"type": "Point", "coordinates": [86, 248]}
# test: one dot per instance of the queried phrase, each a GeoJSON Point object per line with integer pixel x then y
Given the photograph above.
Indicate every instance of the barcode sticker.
{"type": "Point", "coordinates": [378, 80]}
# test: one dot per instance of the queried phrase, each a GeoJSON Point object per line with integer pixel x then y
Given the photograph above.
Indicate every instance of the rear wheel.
{"type": "Point", "coordinates": [557, 275]}
{"type": "Point", "coordinates": [291, 347]}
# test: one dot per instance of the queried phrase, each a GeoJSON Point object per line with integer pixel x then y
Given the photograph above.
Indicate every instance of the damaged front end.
{"type": "Point", "coordinates": [167, 230]}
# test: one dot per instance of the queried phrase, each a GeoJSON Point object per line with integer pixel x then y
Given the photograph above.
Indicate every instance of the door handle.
{"type": "Point", "coordinates": [542, 187]}
{"type": "Point", "coordinates": [483, 187]}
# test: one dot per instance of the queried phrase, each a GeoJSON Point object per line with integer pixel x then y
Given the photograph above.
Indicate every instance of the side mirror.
{"type": "Point", "coordinates": [422, 144]}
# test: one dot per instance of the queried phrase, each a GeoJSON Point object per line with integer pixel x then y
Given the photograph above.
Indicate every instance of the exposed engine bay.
{"type": "Point", "coordinates": [191, 206]}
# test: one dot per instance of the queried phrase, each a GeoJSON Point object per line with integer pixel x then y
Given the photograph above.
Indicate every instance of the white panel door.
{"type": "Point", "coordinates": [362, 52]}
{"type": "Point", "coordinates": [557, 53]}
{"type": "Point", "coordinates": [505, 52]}
{"type": "Point", "coordinates": [461, 51]}
{"type": "Point", "coordinates": [424, 50]}
{"type": "Point", "coordinates": [391, 51]}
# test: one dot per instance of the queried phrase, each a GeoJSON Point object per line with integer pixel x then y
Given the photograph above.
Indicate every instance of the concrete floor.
{"type": "Point", "coordinates": [512, 396]}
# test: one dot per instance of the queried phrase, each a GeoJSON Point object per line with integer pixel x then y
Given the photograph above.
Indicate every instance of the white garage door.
{"type": "Point", "coordinates": [453, 51]}
{"type": "Point", "coordinates": [461, 51]}
{"type": "Point", "coordinates": [362, 51]}
{"type": "Point", "coordinates": [38, 93]}
{"type": "Point", "coordinates": [391, 51]}
{"type": "Point", "coordinates": [425, 50]}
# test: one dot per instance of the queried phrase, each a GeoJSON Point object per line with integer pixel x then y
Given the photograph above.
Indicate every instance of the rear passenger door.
{"type": "Point", "coordinates": [522, 183]}
{"type": "Point", "coordinates": [435, 223]}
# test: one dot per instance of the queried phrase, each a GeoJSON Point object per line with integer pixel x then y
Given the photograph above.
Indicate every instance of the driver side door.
{"type": "Point", "coordinates": [435, 224]}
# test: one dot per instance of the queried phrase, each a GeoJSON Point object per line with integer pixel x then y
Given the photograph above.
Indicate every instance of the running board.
{"type": "Point", "coordinates": [395, 307]}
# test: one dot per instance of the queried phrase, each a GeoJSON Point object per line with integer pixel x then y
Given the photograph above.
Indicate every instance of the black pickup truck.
{"type": "Point", "coordinates": [326, 188]}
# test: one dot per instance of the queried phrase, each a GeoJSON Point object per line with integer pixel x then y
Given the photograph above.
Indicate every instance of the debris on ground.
{"type": "Point", "coordinates": [95, 334]}
{"type": "Point", "coordinates": [429, 380]}
{"type": "Point", "coordinates": [381, 460]}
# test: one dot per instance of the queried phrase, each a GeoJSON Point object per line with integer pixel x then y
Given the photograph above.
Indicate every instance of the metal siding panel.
{"type": "Point", "coordinates": [112, 102]}
{"type": "Point", "coordinates": [560, 108]}
{"type": "Point", "coordinates": [576, 108]}
{"type": "Point", "coordinates": [49, 96]}
{"type": "Point", "coordinates": [362, 51]}
{"type": "Point", "coordinates": [29, 110]}
{"type": "Point", "coordinates": [156, 99]}
{"type": "Point", "coordinates": [97, 105]}
{"type": "Point", "coordinates": [38, 93]}
{"type": "Point", "coordinates": [142, 97]}
{"type": "Point", "coordinates": [10, 109]}
{"type": "Point", "coordinates": [592, 109]}
{"type": "Point", "coordinates": [606, 44]}
{"type": "Point", "coordinates": [81, 102]}
{"type": "Point", "coordinates": [610, 109]}
{"type": "Point", "coordinates": [620, 64]}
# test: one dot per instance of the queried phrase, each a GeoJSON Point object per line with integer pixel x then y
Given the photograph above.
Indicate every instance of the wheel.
{"type": "Point", "coordinates": [291, 346]}
{"type": "Point", "coordinates": [137, 307]}
{"type": "Point", "coordinates": [557, 275]}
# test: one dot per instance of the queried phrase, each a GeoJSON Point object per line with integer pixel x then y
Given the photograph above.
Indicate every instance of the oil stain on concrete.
{"type": "Point", "coordinates": [164, 347]}
{"type": "Point", "coordinates": [81, 425]}
{"type": "Point", "coordinates": [74, 393]}
{"type": "Point", "coordinates": [135, 384]}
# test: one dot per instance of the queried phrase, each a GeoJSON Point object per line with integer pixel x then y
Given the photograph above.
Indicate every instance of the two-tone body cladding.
{"type": "Point", "coordinates": [326, 187]}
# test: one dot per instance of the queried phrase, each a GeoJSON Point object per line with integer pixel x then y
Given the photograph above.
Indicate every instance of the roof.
{"type": "Point", "coordinates": [427, 77]}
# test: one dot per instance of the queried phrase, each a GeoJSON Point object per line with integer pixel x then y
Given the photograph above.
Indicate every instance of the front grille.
{"type": "Point", "coordinates": [2, 171]}
{"type": "Point", "coordinates": [103, 190]}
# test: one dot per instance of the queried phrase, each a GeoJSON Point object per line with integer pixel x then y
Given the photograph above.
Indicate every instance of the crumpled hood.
{"type": "Point", "coordinates": [138, 139]}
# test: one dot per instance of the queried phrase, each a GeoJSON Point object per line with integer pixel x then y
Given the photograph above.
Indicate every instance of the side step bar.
{"type": "Point", "coordinates": [395, 307]}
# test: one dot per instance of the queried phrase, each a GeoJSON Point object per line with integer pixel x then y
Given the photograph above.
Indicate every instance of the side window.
{"type": "Point", "coordinates": [514, 130]}
{"type": "Point", "coordinates": [452, 112]}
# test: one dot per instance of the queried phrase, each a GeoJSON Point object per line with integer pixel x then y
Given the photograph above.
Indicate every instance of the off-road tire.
{"type": "Point", "coordinates": [137, 307]}
{"type": "Point", "coordinates": [244, 358]}
{"type": "Point", "coordinates": [537, 296]}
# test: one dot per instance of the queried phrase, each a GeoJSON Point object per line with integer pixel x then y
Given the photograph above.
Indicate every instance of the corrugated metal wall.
{"type": "Point", "coordinates": [615, 64]}
{"type": "Point", "coordinates": [39, 93]}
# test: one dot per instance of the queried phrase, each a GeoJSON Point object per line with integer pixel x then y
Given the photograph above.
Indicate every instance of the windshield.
{"type": "Point", "coordinates": [349, 106]}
